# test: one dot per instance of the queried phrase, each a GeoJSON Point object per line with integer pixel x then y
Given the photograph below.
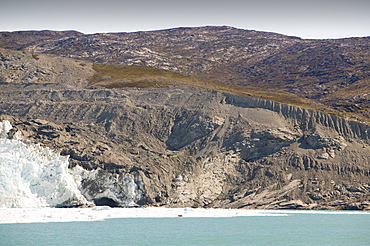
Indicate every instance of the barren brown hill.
{"type": "Point", "coordinates": [334, 72]}
{"type": "Point", "coordinates": [179, 117]}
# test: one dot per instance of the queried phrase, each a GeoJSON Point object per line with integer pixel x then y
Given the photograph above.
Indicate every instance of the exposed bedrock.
{"type": "Point", "coordinates": [186, 147]}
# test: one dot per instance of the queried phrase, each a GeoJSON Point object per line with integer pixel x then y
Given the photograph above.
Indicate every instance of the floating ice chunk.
{"type": "Point", "coordinates": [99, 208]}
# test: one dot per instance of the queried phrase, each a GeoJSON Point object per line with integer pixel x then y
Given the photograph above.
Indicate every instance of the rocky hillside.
{"type": "Point", "coordinates": [334, 72]}
{"type": "Point", "coordinates": [190, 136]}
{"type": "Point", "coordinates": [38, 69]}
{"type": "Point", "coordinates": [198, 148]}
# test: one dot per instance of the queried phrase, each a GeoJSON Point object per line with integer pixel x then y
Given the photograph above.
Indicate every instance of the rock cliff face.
{"type": "Point", "coordinates": [185, 147]}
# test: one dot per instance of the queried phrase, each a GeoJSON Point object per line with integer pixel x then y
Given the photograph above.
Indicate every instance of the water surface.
{"type": "Point", "coordinates": [294, 229]}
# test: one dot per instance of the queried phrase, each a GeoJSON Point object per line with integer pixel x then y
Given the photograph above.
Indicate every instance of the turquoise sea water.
{"type": "Point", "coordinates": [294, 229]}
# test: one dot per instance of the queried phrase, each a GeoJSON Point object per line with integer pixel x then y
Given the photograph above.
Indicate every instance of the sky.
{"type": "Point", "coordinates": [303, 18]}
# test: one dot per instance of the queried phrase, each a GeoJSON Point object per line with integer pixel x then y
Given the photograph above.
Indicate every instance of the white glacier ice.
{"type": "Point", "coordinates": [123, 189]}
{"type": "Point", "coordinates": [32, 176]}
{"type": "Point", "coordinates": [5, 127]}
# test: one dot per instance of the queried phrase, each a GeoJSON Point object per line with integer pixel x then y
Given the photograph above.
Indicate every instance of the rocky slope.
{"type": "Point", "coordinates": [180, 147]}
{"type": "Point", "coordinates": [334, 72]}
{"type": "Point", "coordinates": [39, 69]}
{"type": "Point", "coordinates": [184, 145]}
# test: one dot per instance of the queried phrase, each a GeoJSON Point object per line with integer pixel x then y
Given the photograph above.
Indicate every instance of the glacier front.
{"type": "Point", "coordinates": [32, 176]}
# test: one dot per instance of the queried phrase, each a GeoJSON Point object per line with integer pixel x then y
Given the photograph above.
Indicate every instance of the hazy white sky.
{"type": "Point", "coordinates": [303, 18]}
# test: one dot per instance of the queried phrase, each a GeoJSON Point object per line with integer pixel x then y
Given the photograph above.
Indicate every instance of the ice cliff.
{"type": "Point", "coordinates": [105, 188]}
{"type": "Point", "coordinates": [32, 176]}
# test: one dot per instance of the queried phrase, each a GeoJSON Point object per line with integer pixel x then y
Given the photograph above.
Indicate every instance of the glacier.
{"type": "Point", "coordinates": [105, 188]}
{"type": "Point", "coordinates": [32, 176]}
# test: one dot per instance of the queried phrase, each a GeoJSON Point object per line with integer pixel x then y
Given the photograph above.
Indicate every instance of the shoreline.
{"type": "Point", "coordinates": [100, 213]}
